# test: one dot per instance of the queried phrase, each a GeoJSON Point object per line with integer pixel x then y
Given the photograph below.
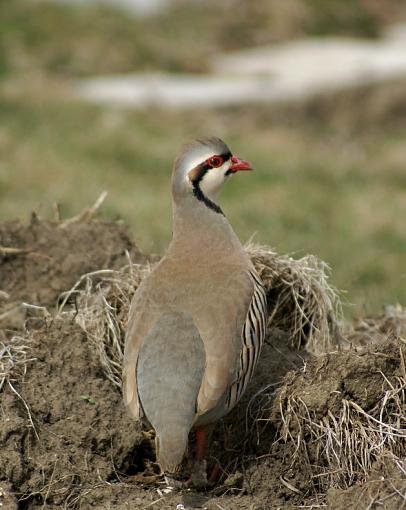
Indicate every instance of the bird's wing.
{"type": "Point", "coordinates": [142, 318]}
{"type": "Point", "coordinates": [253, 336]}
{"type": "Point", "coordinates": [232, 350]}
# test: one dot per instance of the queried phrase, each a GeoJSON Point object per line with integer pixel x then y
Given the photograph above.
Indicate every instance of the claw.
{"type": "Point", "coordinates": [172, 483]}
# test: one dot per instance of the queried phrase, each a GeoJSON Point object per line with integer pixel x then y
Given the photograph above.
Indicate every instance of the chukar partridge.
{"type": "Point", "coordinates": [198, 321]}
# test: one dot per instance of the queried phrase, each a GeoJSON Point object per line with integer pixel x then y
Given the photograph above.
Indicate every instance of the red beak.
{"type": "Point", "coordinates": [239, 164]}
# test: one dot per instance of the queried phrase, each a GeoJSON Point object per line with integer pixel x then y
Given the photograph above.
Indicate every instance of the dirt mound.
{"type": "Point", "coordinates": [41, 259]}
{"type": "Point", "coordinates": [49, 257]}
{"type": "Point", "coordinates": [49, 408]}
{"type": "Point", "coordinates": [344, 413]}
{"type": "Point", "coordinates": [64, 425]}
{"type": "Point", "coordinates": [67, 442]}
{"type": "Point", "coordinates": [384, 488]}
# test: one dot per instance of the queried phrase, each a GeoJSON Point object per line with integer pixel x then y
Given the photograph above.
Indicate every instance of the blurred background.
{"type": "Point", "coordinates": [99, 95]}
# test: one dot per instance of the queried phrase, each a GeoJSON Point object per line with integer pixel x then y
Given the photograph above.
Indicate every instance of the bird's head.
{"type": "Point", "coordinates": [202, 167]}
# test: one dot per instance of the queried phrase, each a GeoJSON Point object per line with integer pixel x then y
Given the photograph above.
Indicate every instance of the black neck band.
{"type": "Point", "coordinates": [198, 193]}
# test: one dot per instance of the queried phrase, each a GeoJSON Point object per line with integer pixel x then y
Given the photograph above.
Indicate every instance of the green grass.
{"type": "Point", "coordinates": [317, 190]}
{"type": "Point", "coordinates": [63, 40]}
{"type": "Point", "coordinates": [58, 39]}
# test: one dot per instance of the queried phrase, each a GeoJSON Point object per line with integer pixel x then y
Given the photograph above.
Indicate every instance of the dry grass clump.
{"type": "Point", "coordinates": [344, 412]}
{"type": "Point", "coordinates": [102, 301]}
{"type": "Point", "coordinates": [302, 303]}
{"type": "Point", "coordinates": [14, 359]}
{"type": "Point", "coordinates": [301, 300]}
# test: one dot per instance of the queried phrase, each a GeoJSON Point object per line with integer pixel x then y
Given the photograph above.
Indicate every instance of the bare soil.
{"type": "Point", "coordinates": [55, 254]}
{"type": "Point", "coordinates": [77, 448]}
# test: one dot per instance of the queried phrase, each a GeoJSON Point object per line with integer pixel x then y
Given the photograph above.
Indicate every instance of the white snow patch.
{"type": "Point", "coordinates": [285, 72]}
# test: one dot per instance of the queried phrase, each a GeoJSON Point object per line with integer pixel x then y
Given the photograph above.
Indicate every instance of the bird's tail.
{"type": "Point", "coordinates": [169, 373]}
{"type": "Point", "coordinates": [171, 445]}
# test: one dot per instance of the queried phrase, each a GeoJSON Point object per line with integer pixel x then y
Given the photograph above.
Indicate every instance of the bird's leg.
{"type": "Point", "coordinates": [198, 476]}
{"type": "Point", "coordinates": [201, 444]}
{"type": "Point", "coordinates": [214, 475]}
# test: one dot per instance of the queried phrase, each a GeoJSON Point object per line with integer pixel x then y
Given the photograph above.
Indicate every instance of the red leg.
{"type": "Point", "coordinates": [201, 444]}
{"type": "Point", "coordinates": [215, 474]}
{"type": "Point", "coordinates": [198, 477]}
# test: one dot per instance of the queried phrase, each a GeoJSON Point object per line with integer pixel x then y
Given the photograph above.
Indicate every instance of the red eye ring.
{"type": "Point", "coordinates": [216, 161]}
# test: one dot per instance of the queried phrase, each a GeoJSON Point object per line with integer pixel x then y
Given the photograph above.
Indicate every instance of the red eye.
{"type": "Point", "coordinates": [216, 161]}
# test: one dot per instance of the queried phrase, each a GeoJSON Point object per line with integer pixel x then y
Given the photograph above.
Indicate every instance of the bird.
{"type": "Point", "coordinates": [197, 322]}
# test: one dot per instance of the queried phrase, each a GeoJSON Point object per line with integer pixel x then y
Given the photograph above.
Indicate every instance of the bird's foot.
{"type": "Point", "coordinates": [199, 479]}
{"type": "Point", "coordinates": [173, 483]}
{"type": "Point", "coordinates": [198, 476]}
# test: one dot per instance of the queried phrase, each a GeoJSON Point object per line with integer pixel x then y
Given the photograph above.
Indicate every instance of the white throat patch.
{"type": "Point", "coordinates": [214, 179]}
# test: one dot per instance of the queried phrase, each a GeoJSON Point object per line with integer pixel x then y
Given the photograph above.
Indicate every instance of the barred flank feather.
{"type": "Point", "coordinates": [252, 335]}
